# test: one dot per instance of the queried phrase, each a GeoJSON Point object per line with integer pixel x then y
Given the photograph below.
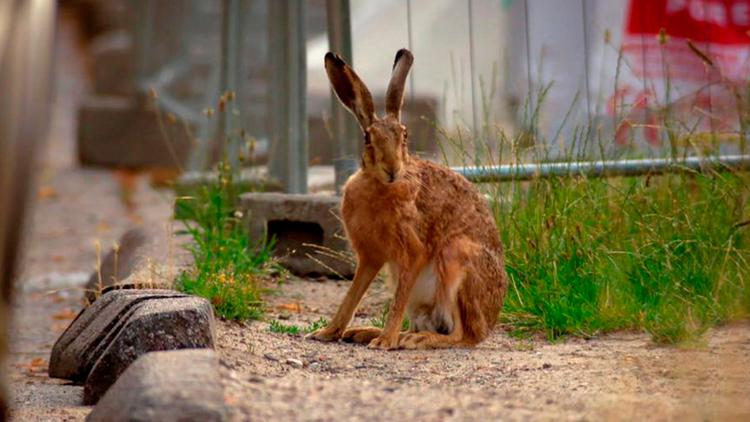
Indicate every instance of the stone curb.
{"type": "Point", "coordinates": [161, 324]}
{"type": "Point", "coordinates": [105, 338]}
{"type": "Point", "coordinates": [76, 350]}
{"type": "Point", "coordinates": [182, 385]}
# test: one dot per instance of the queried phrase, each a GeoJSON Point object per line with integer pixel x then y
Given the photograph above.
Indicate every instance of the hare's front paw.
{"type": "Point", "coordinates": [384, 343]}
{"type": "Point", "coordinates": [325, 334]}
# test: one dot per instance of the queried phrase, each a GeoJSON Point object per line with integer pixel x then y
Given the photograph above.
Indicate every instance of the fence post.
{"type": "Point", "coordinates": [289, 154]}
{"type": "Point", "coordinates": [345, 134]}
{"type": "Point", "coordinates": [142, 37]}
{"type": "Point", "coordinates": [231, 37]}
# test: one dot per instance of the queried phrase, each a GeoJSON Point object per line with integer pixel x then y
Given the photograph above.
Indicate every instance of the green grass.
{"type": "Point", "coordinates": [228, 264]}
{"type": "Point", "coordinates": [281, 328]}
{"type": "Point", "coordinates": [380, 319]}
{"type": "Point", "coordinates": [665, 254]}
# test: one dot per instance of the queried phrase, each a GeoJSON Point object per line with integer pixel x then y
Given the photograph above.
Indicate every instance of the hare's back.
{"type": "Point", "coordinates": [451, 205]}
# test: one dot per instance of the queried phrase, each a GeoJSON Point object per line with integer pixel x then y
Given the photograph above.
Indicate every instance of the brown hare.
{"type": "Point", "coordinates": [428, 224]}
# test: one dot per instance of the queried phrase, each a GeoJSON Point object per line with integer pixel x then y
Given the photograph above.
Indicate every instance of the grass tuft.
{"type": "Point", "coordinates": [586, 256]}
{"type": "Point", "coordinates": [380, 320]}
{"type": "Point", "coordinates": [295, 330]}
{"type": "Point", "coordinates": [228, 264]}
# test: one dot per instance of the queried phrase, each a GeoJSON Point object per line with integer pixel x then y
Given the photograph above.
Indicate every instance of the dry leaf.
{"type": "Point", "coordinates": [163, 176]}
{"type": "Point", "coordinates": [65, 314]}
{"type": "Point", "coordinates": [46, 192]}
{"type": "Point", "coordinates": [35, 366]}
{"type": "Point", "coordinates": [291, 307]}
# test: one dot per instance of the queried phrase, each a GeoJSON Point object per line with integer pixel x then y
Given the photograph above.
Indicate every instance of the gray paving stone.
{"type": "Point", "coordinates": [182, 385]}
{"type": "Point", "coordinates": [113, 62]}
{"type": "Point", "coordinates": [78, 348]}
{"type": "Point", "coordinates": [121, 131]}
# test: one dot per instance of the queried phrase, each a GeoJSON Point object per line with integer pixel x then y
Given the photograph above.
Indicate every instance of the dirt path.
{"type": "Point", "coordinates": [621, 376]}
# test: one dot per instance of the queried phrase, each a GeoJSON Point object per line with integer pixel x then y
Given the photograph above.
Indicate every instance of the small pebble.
{"type": "Point", "coordinates": [270, 357]}
{"type": "Point", "coordinates": [294, 363]}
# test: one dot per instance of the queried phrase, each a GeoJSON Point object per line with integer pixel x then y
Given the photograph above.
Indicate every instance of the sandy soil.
{"type": "Point", "coordinates": [619, 376]}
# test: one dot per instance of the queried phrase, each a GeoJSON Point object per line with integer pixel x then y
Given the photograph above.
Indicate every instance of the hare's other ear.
{"type": "Point", "coordinates": [394, 97]}
{"type": "Point", "coordinates": [350, 89]}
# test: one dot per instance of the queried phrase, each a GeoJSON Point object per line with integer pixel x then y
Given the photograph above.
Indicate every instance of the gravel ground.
{"type": "Point", "coordinates": [271, 376]}
{"type": "Point", "coordinates": [619, 376]}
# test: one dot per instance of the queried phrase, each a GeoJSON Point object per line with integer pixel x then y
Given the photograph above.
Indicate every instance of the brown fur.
{"type": "Point", "coordinates": [421, 219]}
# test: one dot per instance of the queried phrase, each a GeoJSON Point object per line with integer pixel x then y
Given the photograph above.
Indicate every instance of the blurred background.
{"type": "Point", "coordinates": [154, 77]}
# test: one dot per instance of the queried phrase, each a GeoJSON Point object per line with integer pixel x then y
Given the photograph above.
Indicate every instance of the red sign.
{"type": "Point", "coordinates": [723, 22]}
{"type": "Point", "coordinates": [698, 50]}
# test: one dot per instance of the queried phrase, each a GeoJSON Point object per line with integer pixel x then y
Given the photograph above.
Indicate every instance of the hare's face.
{"type": "Point", "coordinates": [385, 150]}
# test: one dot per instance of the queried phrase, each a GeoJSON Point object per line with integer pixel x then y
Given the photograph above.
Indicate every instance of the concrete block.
{"type": "Point", "coordinates": [78, 348]}
{"type": "Point", "coordinates": [310, 238]}
{"type": "Point", "coordinates": [113, 61]}
{"type": "Point", "coordinates": [179, 385]}
{"type": "Point", "coordinates": [117, 131]}
{"type": "Point", "coordinates": [158, 324]}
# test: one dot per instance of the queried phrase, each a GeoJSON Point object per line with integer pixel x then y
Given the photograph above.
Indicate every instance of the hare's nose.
{"type": "Point", "coordinates": [391, 175]}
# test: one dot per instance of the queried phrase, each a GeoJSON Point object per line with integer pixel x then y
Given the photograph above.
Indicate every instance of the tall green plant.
{"type": "Point", "coordinates": [228, 263]}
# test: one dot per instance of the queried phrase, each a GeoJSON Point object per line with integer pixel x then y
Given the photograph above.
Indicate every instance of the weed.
{"type": "Point", "coordinates": [380, 320]}
{"type": "Point", "coordinates": [281, 328]}
{"type": "Point", "coordinates": [591, 255]}
{"type": "Point", "coordinates": [667, 254]}
{"type": "Point", "coordinates": [227, 263]}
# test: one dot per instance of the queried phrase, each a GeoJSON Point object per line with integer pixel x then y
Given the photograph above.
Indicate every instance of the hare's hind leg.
{"type": "Point", "coordinates": [360, 335]}
{"type": "Point", "coordinates": [443, 325]}
{"type": "Point", "coordinates": [433, 340]}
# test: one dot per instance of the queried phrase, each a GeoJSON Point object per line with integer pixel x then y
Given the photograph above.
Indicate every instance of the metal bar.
{"type": "Point", "coordinates": [586, 61]}
{"type": "Point", "coordinates": [530, 105]}
{"type": "Point", "coordinates": [409, 34]}
{"type": "Point", "coordinates": [143, 34]}
{"type": "Point", "coordinates": [170, 104]}
{"type": "Point", "coordinates": [290, 154]}
{"type": "Point", "coordinates": [345, 134]}
{"type": "Point", "coordinates": [170, 72]}
{"type": "Point", "coordinates": [472, 73]}
{"type": "Point", "coordinates": [199, 158]}
{"type": "Point", "coordinates": [604, 168]}
{"type": "Point", "coordinates": [231, 34]}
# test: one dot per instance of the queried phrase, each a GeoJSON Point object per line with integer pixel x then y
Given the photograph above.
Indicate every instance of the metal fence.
{"type": "Point", "coordinates": [544, 67]}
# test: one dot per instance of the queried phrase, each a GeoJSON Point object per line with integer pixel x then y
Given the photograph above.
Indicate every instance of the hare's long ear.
{"type": "Point", "coordinates": [394, 97]}
{"type": "Point", "coordinates": [350, 89]}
